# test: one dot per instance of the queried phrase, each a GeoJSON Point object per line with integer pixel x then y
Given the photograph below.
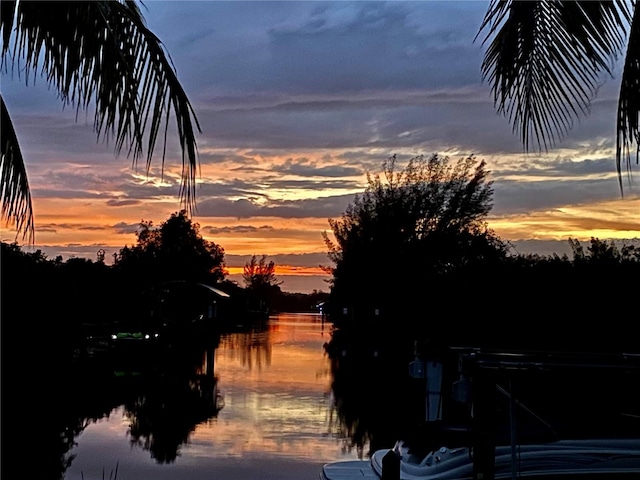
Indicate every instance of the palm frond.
{"type": "Point", "coordinates": [7, 11]}
{"type": "Point", "coordinates": [16, 199]}
{"type": "Point", "coordinates": [628, 130]}
{"type": "Point", "coordinates": [102, 53]}
{"type": "Point", "coordinates": [544, 61]}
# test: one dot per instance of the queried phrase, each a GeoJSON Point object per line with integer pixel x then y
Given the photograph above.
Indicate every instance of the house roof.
{"type": "Point", "coordinates": [214, 290]}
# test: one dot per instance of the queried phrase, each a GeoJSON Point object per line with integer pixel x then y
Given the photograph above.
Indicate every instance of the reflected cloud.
{"type": "Point", "coordinates": [275, 384]}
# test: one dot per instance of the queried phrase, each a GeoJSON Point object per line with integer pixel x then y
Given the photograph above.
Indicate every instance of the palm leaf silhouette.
{"type": "Point", "coordinates": [97, 53]}
{"type": "Point", "coordinates": [545, 59]}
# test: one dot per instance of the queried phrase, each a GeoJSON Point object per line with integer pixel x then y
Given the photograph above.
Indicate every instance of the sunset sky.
{"type": "Point", "coordinates": [297, 102]}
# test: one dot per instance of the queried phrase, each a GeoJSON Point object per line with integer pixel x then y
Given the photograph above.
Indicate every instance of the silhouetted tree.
{"type": "Point", "coordinates": [176, 396]}
{"type": "Point", "coordinates": [173, 251]}
{"type": "Point", "coordinates": [73, 291]}
{"type": "Point", "coordinates": [260, 280]}
{"type": "Point", "coordinates": [43, 303]}
{"type": "Point", "coordinates": [408, 230]}
{"type": "Point", "coordinates": [300, 302]}
{"type": "Point", "coordinates": [258, 273]}
{"type": "Point", "coordinates": [603, 251]}
{"type": "Point", "coordinates": [564, 301]}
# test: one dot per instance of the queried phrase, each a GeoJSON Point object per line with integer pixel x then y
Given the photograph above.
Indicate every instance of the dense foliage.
{"type": "Point", "coordinates": [173, 251]}
{"type": "Point", "coordinates": [413, 257]}
{"type": "Point", "coordinates": [259, 277]}
{"type": "Point", "coordinates": [55, 297]}
{"type": "Point", "coordinates": [407, 231]}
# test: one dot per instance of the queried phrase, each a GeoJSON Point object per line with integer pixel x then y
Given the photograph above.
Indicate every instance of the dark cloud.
{"type": "Point", "coordinates": [123, 203]}
{"type": "Point", "coordinates": [541, 247]}
{"type": "Point", "coordinates": [230, 156]}
{"type": "Point", "coordinates": [310, 184]}
{"type": "Point", "coordinates": [320, 46]}
{"type": "Point", "coordinates": [238, 229]}
{"type": "Point", "coordinates": [90, 186]}
{"type": "Point", "coordinates": [71, 226]}
{"type": "Point", "coordinates": [271, 180]}
{"type": "Point", "coordinates": [318, 207]}
{"type": "Point", "coordinates": [222, 207]}
{"type": "Point", "coordinates": [65, 193]}
{"type": "Point", "coordinates": [229, 187]}
{"type": "Point", "coordinates": [119, 228]}
{"type": "Point", "coordinates": [339, 46]}
{"type": "Point", "coordinates": [46, 229]}
{"type": "Point", "coordinates": [558, 167]}
{"type": "Point", "coordinates": [511, 196]}
{"type": "Point", "coordinates": [256, 160]}
{"type": "Point", "coordinates": [311, 169]}
{"type": "Point", "coordinates": [147, 189]}
{"type": "Point", "coordinates": [377, 124]}
{"type": "Point", "coordinates": [95, 228]}
{"type": "Point", "coordinates": [126, 228]}
{"type": "Point", "coordinates": [559, 247]}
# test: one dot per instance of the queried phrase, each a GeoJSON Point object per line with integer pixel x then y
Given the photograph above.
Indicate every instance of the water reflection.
{"type": "Point", "coordinates": [532, 397]}
{"type": "Point", "coordinates": [164, 391]}
{"type": "Point", "coordinates": [252, 400]}
{"type": "Point", "coordinates": [283, 396]}
{"type": "Point", "coordinates": [375, 401]}
{"type": "Point", "coordinates": [276, 385]}
{"type": "Point", "coordinates": [170, 406]}
{"type": "Point", "coordinates": [250, 346]}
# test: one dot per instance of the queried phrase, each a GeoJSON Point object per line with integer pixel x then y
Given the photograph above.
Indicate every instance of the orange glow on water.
{"type": "Point", "coordinates": [258, 373]}
{"type": "Point", "coordinates": [277, 411]}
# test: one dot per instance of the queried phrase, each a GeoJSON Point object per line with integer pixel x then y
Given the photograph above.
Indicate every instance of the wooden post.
{"type": "Point", "coordinates": [390, 466]}
{"type": "Point", "coordinates": [484, 448]}
{"type": "Point", "coordinates": [513, 429]}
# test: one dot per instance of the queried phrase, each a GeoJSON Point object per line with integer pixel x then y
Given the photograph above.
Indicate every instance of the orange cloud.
{"type": "Point", "coordinates": [618, 219]}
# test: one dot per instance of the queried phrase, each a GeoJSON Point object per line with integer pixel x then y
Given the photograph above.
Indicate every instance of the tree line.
{"type": "Point", "coordinates": [59, 295]}
{"type": "Point", "coordinates": [413, 254]}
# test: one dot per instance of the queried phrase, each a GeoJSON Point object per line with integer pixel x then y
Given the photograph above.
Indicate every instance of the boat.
{"type": "Point", "coordinates": [562, 460]}
{"type": "Point", "coordinates": [577, 438]}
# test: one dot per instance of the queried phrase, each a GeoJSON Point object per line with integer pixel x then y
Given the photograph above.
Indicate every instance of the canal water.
{"type": "Point", "coordinates": [274, 400]}
{"type": "Point", "coordinates": [269, 414]}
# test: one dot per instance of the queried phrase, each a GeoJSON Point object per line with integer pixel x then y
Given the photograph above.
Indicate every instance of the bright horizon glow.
{"type": "Point", "coordinates": [282, 270]}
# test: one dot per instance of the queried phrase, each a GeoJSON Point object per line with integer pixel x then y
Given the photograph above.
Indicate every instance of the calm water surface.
{"type": "Point", "coordinates": [276, 419]}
